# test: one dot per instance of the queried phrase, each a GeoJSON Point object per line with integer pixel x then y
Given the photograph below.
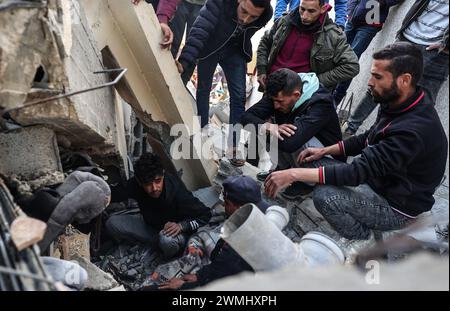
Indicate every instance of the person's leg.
{"type": "Point", "coordinates": [205, 69]}
{"type": "Point", "coordinates": [361, 37]}
{"type": "Point", "coordinates": [177, 25]}
{"type": "Point", "coordinates": [435, 72]}
{"type": "Point", "coordinates": [193, 11]}
{"type": "Point", "coordinates": [170, 246]}
{"type": "Point", "coordinates": [131, 228]}
{"type": "Point", "coordinates": [235, 69]}
{"type": "Point", "coordinates": [360, 113]}
{"type": "Point", "coordinates": [354, 211]}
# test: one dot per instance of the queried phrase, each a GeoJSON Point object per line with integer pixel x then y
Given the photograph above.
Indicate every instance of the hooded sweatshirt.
{"type": "Point", "coordinates": [313, 115]}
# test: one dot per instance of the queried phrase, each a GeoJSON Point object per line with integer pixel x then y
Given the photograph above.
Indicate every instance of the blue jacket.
{"type": "Point", "coordinates": [215, 26]}
{"type": "Point", "coordinates": [357, 10]}
{"type": "Point", "coordinates": [340, 9]}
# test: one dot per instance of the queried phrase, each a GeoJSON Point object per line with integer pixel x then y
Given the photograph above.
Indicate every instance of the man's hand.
{"type": "Point", "coordinates": [172, 284]}
{"type": "Point", "coordinates": [310, 155]}
{"type": "Point", "coordinates": [179, 67]}
{"type": "Point", "coordinates": [166, 43]}
{"type": "Point", "coordinates": [436, 46]}
{"type": "Point", "coordinates": [190, 278]}
{"type": "Point", "coordinates": [279, 131]}
{"type": "Point", "coordinates": [262, 81]}
{"type": "Point", "coordinates": [172, 229]}
{"type": "Point", "coordinates": [277, 181]}
{"type": "Point", "coordinates": [135, 2]}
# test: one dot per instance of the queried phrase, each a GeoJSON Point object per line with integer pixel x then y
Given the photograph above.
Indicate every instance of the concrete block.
{"type": "Point", "coordinates": [29, 152]}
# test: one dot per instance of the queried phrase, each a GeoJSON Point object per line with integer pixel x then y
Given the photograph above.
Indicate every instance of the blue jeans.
{"type": "Point", "coordinates": [234, 67]}
{"type": "Point", "coordinates": [359, 38]}
{"type": "Point", "coordinates": [354, 211]}
{"type": "Point", "coordinates": [435, 73]}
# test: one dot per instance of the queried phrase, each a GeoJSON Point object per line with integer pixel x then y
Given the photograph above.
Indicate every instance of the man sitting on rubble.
{"type": "Point", "coordinates": [402, 157]}
{"type": "Point", "coordinates": [237, 191]}
{"type": "Point", "coordinates": [304, 116]}
{"type": "Point", "coordinates": [169, 212]}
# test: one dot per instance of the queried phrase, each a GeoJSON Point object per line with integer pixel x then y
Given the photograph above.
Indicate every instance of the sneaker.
{"type": "Point", "coordinates": [296, 191]}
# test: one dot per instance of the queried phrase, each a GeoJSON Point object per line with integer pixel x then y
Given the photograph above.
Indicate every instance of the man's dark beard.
{"type": "Point", "coordinates": [389, 96]}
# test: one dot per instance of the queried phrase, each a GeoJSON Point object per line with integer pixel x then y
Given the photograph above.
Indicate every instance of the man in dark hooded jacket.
{"type": "Point", "coordinates": [303, 116]}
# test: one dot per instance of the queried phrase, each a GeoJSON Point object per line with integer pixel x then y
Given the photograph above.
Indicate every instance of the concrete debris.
{"type": "Point", "coordinates": [131, 265]}
{"type": "Point", "coordinates": [418, 273]}
{"type": "Point", "coordinates": [28, 152]}
{"type": "Point", "coordinates": [97, 279]}
{"type": "Point", "coordinates": [27, 231]}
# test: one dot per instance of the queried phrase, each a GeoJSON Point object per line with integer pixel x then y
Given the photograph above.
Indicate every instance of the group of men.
{"type": "Point", "coordinates": [305, 64]}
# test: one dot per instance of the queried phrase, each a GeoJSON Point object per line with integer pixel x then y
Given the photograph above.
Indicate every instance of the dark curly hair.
{"type": "Point", "coordinates": [283, 80]}
{"type": "Point", "coordinates": [148, 167]}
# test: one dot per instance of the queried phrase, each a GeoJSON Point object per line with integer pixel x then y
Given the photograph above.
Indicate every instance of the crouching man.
{"type": "Point", "coordinates": [225, 261]}
{"type": "Point", "coordinates": [169, 212]}
{"type": "Point", "coordinates": [303, 116]}
{"type": "Point", "coordinates": [402, 157]}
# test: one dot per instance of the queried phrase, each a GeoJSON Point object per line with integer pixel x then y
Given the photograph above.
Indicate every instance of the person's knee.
{"type": "Point", "coordinates": [113, 224]}
{"type": "Point", "coordinates": [170, 246]}
{"type": "Point", "coordinates": [321, 197]}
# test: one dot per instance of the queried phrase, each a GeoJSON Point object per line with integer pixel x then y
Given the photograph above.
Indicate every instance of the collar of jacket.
{"type": "Point", "coordinates": [407, 105]}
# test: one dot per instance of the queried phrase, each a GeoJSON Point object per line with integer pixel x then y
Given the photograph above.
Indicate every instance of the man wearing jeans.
{"type": "Point", "coordinates": [221, 35]}
{"type": "Point", "coordinates": [169, 213]}
{"type": "Point", "coordinates": [360, 30]}
{"type": "Point", "coordinates": [402, 157]}
{"type": "Point", "coordinates": [425, 26]}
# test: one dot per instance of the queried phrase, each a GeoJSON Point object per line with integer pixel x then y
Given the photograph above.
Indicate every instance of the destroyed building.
{"type": "Point", "coordinates": [86, 84]}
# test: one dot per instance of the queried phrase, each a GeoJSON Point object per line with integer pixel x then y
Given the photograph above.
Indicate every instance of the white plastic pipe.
{"type": "Point", "coordinates": [258, 239]}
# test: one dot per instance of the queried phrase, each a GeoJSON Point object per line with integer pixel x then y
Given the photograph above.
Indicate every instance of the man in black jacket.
{"type": "Point", "coordinates": [304, 116]}
{"type": "Point", "coordinates": [225, 261]}
{"type": "Point", "coordinates": [222, 35]}
{"type": "Point", "coordinates": [402, 157]}
{"type": "Point", "coordinates": [169, 212]}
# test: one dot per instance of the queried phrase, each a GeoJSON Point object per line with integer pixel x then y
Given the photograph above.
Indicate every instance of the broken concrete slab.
{"type": "Point", "coordinates": [132, 34]}
{"type": "Point", "coordinates": [97, 279]}
{"type": "Point", "coordinates": [419, 272]}
{"type": "Point", "coordinates": [28, 152]}
{"type": "Point", "coordinates": [27, 231]}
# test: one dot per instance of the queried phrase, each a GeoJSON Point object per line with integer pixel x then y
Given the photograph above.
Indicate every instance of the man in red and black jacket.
{"type": "Point", "coordinates": [402, 157]}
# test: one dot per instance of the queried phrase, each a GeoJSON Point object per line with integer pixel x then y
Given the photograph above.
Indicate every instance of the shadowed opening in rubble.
{"type": "Point", "coordinates": [40, 78]}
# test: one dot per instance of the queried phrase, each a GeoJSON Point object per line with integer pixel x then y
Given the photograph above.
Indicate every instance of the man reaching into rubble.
{"type": "Point", "coordinates": [169, 212]}
{"type": "Point", "coordinates": [304, 116]}
{"type": "Point", "coordinates": [237, 191]}
{"type": "Point", "coordinates": [402, 157]}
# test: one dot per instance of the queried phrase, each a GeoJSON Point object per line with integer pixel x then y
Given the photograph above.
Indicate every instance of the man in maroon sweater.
{"type": "Point", "coordinates": [307, 40]}
{"type": "Point", "coordinates": [165, 11]}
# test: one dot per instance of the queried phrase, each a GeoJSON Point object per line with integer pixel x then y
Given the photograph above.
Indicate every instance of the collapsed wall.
{"type": "Point", "coordinates": [54, 47]}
